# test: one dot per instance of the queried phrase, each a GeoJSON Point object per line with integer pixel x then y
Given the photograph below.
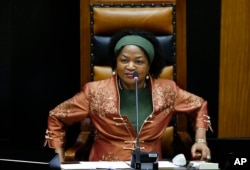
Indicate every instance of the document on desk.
{"type": "Point", "coordinates": [108, 165]}
{"type": "Point", "coordinates": [203, 165]}
{"type": "Point", "coordinates": [97, 165]}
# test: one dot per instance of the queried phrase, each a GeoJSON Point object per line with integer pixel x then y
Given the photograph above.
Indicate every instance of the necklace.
{"type": "Point", "coordinates": [121, 88]}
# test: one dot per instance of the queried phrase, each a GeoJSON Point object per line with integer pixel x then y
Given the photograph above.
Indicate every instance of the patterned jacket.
{"type": "Point", "coordinates": [115, 136]}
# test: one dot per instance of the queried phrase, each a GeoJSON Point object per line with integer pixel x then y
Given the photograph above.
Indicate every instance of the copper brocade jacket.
{"type": "Point", "coordinates": [115, 136]}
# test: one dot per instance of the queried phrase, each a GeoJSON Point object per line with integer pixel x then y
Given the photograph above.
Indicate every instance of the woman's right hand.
{"type": "Point", "coordinates": [60, 152]}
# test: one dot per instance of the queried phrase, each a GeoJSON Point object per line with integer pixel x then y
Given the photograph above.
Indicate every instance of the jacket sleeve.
{"type": "Point", "coordinates": [67, 113]}
{"type": "Point", "coordinates": [193, 105]}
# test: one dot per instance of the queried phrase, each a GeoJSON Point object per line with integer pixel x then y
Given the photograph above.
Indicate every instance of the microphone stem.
{"type": "Point", "coordinates": [137, 113]}
{"type": "Point", "coordinates": [137, 150]}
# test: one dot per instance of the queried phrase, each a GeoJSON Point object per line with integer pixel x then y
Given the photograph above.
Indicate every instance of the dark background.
{"type": "Point", "coordinates": [39, 63]}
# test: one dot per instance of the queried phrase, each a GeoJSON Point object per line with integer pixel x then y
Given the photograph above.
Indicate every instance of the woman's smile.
{"type": "Point", "coordinates": [129, 75]}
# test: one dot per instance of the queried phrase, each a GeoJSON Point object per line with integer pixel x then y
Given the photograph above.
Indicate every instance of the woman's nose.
{"type": "Point", "coordinates": [131, 65]}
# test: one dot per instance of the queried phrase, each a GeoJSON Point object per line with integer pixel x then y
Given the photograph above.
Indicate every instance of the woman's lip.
{"type": "Point", "coordinates": [130, 75]}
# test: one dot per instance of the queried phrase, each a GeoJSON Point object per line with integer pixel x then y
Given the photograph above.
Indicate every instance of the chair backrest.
{"type": "Point", "coordinates": [108, 19]}
{"type": "Point", "coordinates": [92, 24]}
{"type": "Point", "coordinates": [100, 19]}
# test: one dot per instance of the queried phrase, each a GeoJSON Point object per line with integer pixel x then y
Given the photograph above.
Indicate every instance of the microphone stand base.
{"type": "Point", "coordinates": [148, 161]}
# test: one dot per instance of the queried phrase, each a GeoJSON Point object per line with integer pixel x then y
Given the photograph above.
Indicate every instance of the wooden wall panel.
{"type": "Point", "coordinates": [234, 88]}
{"type": "Point", "coordinates": [181, 44]}
{"type": "Point", "coordinates": [84, 42]}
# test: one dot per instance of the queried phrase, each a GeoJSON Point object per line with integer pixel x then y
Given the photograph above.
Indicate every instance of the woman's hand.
{"type": "Point", "coordinates": [60, 152]}
{"type": "Point", "coordinates": [201, 151]}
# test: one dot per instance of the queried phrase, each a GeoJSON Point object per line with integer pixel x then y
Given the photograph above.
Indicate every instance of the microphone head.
{"type": "Point", "coordinates": [135, 75]}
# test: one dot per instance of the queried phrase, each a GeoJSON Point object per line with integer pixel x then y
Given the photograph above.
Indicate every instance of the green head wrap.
{"type": "Point", "coordinates": [139, 41]}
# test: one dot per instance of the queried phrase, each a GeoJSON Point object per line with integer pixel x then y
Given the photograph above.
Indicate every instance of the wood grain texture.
{"type": "Point", "coordinates": [84, 42]}
{"type": "Point", "coordinates": [234, 87]}
{"type": "Point", "coordinates": [181, 46]}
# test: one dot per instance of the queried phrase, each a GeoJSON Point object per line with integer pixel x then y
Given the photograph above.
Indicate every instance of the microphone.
{"type": "Point", "coordinates": [137, 149]}
{"type": "Point", "coordinates": [142, 160]}
{"type": "Point", "coordinates": [135, 76]}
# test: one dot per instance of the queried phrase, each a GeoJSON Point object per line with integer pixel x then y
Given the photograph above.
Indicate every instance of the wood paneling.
{"type": "Point", "coordinates": [84, 42]}
{"type": "Point", "coordinates": [181, 46]}
{"type": "Point", "coordinates": [234, 96]}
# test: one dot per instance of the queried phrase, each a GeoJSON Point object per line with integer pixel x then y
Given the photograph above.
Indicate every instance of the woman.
{"type": "Point", "coordinates": [110, 104]}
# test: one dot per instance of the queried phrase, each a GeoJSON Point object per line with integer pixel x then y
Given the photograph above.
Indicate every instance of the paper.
{"type": "Point", "coordinates": [166, 164]}
{"type": "Point", "coordinates": [97, 165]}
{"type": "Point", "coordinates": [203, 165]}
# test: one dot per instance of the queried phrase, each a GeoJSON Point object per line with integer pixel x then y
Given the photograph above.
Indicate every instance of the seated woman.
{"type": "Point", "coordinates": [110, 104]}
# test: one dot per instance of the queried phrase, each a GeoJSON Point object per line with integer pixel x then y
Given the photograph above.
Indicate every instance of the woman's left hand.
{"type": "Point", "coordinates": [200, 151]}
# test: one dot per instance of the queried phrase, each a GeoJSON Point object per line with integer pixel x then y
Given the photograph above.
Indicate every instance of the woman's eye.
{"type": "Point", "coordinates": [139, 62]}
{"type": "Point", "coordinates": [124, 60]}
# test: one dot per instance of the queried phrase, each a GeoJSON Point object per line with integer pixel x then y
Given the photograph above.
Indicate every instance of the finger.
{"type": "Point", "coordinates": [196, 151]}
{"type": "Point", "coordinates": [193, 151]}
{"type": "Point", "coordinates": [198, 155]}
{"type": "Point", "coordinates": [206, 155]}
{"type": "Point", "coordinates": [208, 158]}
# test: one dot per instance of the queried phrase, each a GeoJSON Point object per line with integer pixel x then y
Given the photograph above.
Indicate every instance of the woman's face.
{"type": "Point", "coordinates": [130, 59]}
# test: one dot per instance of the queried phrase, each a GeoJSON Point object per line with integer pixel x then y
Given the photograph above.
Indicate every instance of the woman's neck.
{"type": "Point", "coordinates": [124, 87]}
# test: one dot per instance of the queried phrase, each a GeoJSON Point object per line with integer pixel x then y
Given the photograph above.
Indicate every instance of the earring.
{"type": "Point", "coordinates": [113, 73]}
{"type": "Point", "coordinates": [147, 77]}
